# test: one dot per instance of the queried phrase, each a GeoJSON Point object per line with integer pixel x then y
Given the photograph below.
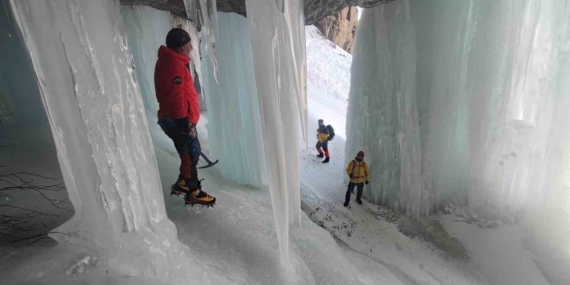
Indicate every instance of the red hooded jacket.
{"type": "Point", "coordinates": [175, 92]}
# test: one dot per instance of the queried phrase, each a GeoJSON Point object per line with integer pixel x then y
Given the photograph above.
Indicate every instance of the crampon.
{"type": "Point", "coordinates": [200, 198]}
{"type": "Point", "coordinates": [179, 188]}
{"type": "Point", "coordinates": [195, 201]}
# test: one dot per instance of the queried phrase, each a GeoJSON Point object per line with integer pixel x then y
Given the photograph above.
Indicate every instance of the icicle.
{"type": "Point", "coordinates": [275, 46]}
{"type": "Point", "coordinates": [202, 12]}
{"type": "Point", "coordinates": [233, 105]}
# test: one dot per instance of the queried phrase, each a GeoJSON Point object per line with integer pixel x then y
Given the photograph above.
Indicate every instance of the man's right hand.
{"type": "Point", "coordinates": [183, 126]}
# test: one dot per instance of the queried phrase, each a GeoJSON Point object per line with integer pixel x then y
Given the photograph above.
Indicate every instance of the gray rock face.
{"type": "Point", "coordinates": [318, 9]}
{"type": "Point", "coordinates": [314, 9]}
{"type": "Point", "coordinates": [340, 27]}
{"type": "Point", "coordinates": [174, 6]}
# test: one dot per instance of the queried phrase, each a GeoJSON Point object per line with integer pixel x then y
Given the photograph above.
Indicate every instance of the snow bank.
{"type": "Point", "coordinates": [328, 77]}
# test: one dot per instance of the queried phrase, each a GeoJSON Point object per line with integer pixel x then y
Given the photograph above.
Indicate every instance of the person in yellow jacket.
{"type": "Point", "coordinates": [323, 141]}
{"type": "Point", "coordinates": [359, 175]}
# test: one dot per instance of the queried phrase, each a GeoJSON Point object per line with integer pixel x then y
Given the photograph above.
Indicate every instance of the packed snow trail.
{"type": "Point", "coordinates": [361, 227]}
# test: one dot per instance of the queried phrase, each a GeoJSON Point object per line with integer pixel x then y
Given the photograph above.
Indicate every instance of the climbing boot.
{"type": "Point", "coordinates": [326, 160]}
{"type": "Point", "coordinates": [179, 188]}
{"type": "Point", "coordinates": [201, 198]}
{"type": "Point", "coordinates": [320, 155]}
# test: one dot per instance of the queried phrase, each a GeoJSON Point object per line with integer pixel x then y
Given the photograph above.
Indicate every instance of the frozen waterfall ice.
{"type": "Point", "coordinates": [382, 112]}
{"type": "Point", "coordinates": [234, 124]}
{"type": "Point", "coordinates": [465, 101]}
{"type": "Point", "coordinates": [83, 66]}
{"type": "Point", "coordinates": [204, 13]}
{"type": "Point", "coordinates": [146, 30]}
{"type": "Point", "coordinates": [277, 60]}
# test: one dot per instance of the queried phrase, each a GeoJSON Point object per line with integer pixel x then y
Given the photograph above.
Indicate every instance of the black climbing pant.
{"type": "Point", "coordinates": [359, 189]}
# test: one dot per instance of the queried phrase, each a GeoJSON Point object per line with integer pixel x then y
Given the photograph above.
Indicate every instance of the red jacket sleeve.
{"type": "Point", "coordinates": [178, 101]}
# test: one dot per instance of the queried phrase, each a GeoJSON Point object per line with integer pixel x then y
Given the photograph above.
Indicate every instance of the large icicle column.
{"type": "Point", "coordinates": [83, 66]}
{"type": "Point", "coordinates": [234, 124]}
{"type": "Point", "coordinates": [382, 118]}
{"type": "Point", "coordinates": [277, 61]}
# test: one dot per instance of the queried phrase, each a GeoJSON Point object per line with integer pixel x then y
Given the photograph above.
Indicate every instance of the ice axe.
{"type": "Point", "coordinates": [193, 148]}
{"type": "Point", "coordinates": [196, 150]}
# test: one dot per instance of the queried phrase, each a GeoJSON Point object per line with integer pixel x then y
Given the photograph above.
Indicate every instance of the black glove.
{"type": "Point", "coordinates": [366, 182]}
{"type": "Point", "coordinates": [350, 176]}
{"type": "Point", "coordinates": [183, 127]}
{"type": "Point", "coordinates": [182, 124]}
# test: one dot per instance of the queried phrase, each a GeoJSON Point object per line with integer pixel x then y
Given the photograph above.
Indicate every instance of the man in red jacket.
{"type": "Point", "coordinates": [179, 112]}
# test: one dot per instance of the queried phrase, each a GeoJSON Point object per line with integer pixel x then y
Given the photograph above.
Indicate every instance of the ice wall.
{"type": "Point", "coordinates": [234, 124]}
{"type": "Point", "coordinates": [382, 110]}
{"type": "Point", "coordinates": [83, 66]}
{"type": "Point", "coordinates": [491, 88]}
{"type": "Point", "coordinates": [204, 14]}
{"type": "Point", "coordinates": [15, 81]}
{"type": "Point", "coordinates": [146, 30]}
{"type": "Point", "coordinates": [277, 59]}
{"type": "Point", "coordinates": [195, 55]}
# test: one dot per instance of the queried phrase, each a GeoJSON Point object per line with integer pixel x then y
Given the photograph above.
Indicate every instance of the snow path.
{"type": "Point", "coordinates": [361, 227]}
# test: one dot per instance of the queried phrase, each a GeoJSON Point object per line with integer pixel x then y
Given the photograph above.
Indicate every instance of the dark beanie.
{"type": "Point", "coordinates": [177, 37]}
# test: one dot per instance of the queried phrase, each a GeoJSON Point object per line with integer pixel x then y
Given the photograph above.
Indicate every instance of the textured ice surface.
{"type": "Point", "coordinates": [277, 62]}
{"type": "Point", "coordinates": [491, 95]}
{"type": "Point", "coordinates": [489, 89]}
{"type": "Point", "coordinates": [382, 112]}
{"type": "Point", "coordinates": [205, 14]}
{"type": "Point", "coordinates": [83, 67]}
{"type": "Point", "coordinates": [146, 30]}
{"type": "Point", "coordinates": [234, 124]}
